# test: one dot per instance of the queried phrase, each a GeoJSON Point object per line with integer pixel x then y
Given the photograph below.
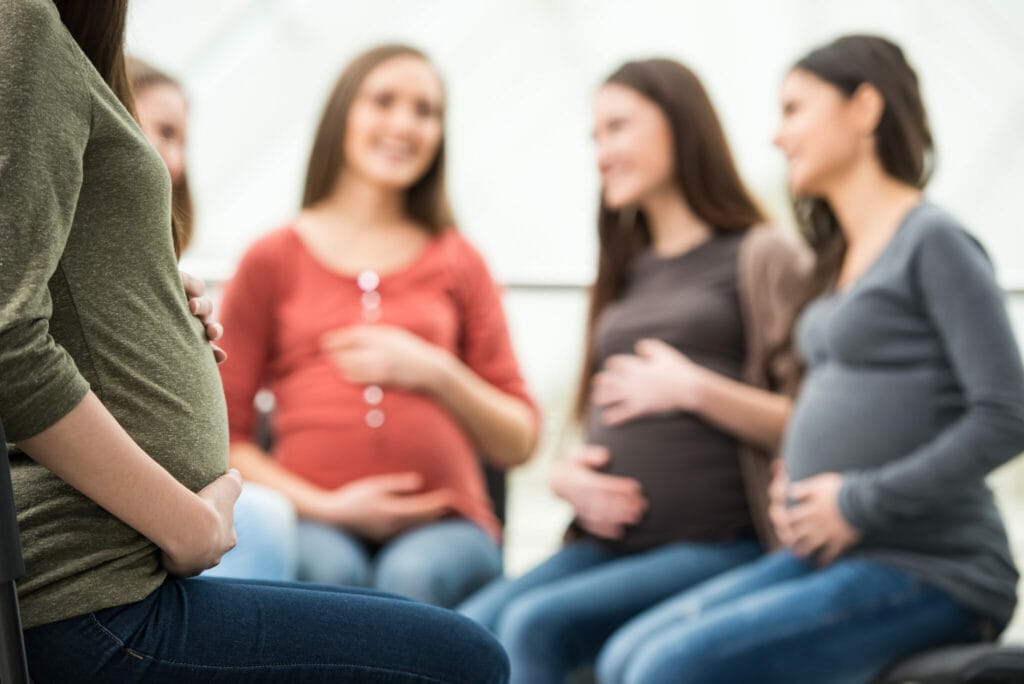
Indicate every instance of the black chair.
{"type": "Point", "coordinates": [13, 663]}
{"type": "Point", "coordinates": [964, 664]}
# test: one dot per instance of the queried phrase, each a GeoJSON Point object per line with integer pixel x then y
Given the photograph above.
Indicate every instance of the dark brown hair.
{"type": "Point", "coordinates": [426, 199]}
{"type": "Point", "coordinates": [98, 28]}
{"type": "Point", "coordinates": [903, 138]}
{"type": "Point", "coordinates": [142, 75]}
{"type": "Point", "coordinates": [705, 174]}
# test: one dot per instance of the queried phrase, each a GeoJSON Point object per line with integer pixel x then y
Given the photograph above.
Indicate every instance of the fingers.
{"type": "Point", "coordinates": [782, 524]}
{"type": "Point", "coordinates": [200, 307]}
{"type": "Point", "coordinates": [648, 348]}
{"type": "Point", "coordinates": [612, 513]}
{"type": "Point", "coordinates": [397, 483]}
{"type": "Point", "coordinates": [607, 388]}
{"type": "Point", "coordinates": [806, 544]}
{"type": "Point", "coordinates": [611, 499]}
{"type": "Point", "coordinates": [214, 331]}
{"type": "Point", "coordinates": [342, 339]}
{"type": "Point", "coordinates": [829, 552]}
{"type": "Point", "coordinates": [620, 413]}
{"type": "Point", "coordinates": [194, 287]}
{"type": "Point", "coordinates": [360, 366]}
{"type": "Point", "coordinates": [430, 504]}
{"type": "Point", "coordinates": [778, 469]}
{"type": "Point", "coordinates": [219, 355]}
{"type": "Point", "coordinates": [592, 455]}
{"type": "Point", "coordinates": [603, 530]}
{"type": "Point", "coordinates": [778, 490]}
{"type": "Point", "coordinates": [602, 483]}
{"type": "Point", "coordinates": [802, 491]}
{"type": "Point", "coordinates": [619, 362]}
{"type": "Point", "coordinates": [225, 490]}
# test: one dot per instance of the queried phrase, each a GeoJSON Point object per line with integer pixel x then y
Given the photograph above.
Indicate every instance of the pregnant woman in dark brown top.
{"type": "Point", "coordinates": [683, 391]}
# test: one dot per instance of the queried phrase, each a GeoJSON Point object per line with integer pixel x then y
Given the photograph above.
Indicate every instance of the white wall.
{"type": "Point", "coordinates": [520, 76]}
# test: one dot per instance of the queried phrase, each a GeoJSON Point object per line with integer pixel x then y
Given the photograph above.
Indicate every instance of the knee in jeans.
{"type": "Point", "coordinates": [614, 657]}
{"type": "Point", "coordinates": [660, 662]}
{"type": "Point", "coordinates": [340, 569]}
{"type": "Point", "coordinates": [531, 622]}
{"type": "Point", "coordinates": [406, 577]}
{"type": "Point", "coordinates": [342, 575]}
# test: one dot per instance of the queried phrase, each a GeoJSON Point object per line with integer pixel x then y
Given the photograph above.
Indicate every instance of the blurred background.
{"type": "Point", "coordinates": [520, 76]}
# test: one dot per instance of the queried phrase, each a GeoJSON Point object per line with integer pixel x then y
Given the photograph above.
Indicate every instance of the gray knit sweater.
{"type": "Point", "coordinates": [915, 392]}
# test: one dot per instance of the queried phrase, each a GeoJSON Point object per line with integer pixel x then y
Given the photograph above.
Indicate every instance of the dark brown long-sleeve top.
{"type": "Point", "coordinates": [727, 305]}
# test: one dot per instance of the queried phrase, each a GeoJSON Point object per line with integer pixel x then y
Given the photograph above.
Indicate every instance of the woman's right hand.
{"type": "Point", "coordinates": [209, 545]}
{"type": "Point", "coordinates": [604, 504]}
{"type": "Point", "coordinates": [381, 506]}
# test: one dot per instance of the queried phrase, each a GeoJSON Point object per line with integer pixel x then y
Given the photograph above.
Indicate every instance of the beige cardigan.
{"type": "Point", "coordinates": [772, 272]}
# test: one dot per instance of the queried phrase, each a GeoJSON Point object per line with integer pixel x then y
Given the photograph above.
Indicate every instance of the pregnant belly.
{"type": "Point", "coordinates": [416, 435]}
{"type": "Point", "coordinates": [854, 419]}
{"type": "Point", "coordinates": [690, 476]}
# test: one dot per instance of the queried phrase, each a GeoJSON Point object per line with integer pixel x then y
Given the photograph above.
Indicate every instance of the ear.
{"type": "Point", "coordinates": [867, 106]}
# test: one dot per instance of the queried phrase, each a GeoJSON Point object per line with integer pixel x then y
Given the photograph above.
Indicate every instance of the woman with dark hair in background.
{"type": "Point", "coordinates": [683, 392]}
{"type": "Point", "coordinates": [914, 392]}
{"type": "Point", "coordinates": [264, 518]}
{"type": "Point", "coordinates": [381, 334]}
{"type": "Point", "coordinates": [112, 399]}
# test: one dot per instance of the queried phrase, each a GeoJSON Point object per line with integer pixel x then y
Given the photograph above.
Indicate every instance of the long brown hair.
{"type": "Point", "coordinates": [426, 200]}
{"type": "Point", "coordinates": [142, 75]}
{"type": "Point", "coordinates": [903, 138]}
{"type": "Point", "coordinates": [705, 174]}
{"type": "Point", "coordinates": [98, 28]}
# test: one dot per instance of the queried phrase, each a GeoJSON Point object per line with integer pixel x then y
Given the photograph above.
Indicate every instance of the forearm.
{"type": "Point", "coordinates": [750, 414]}
{"type": "Point", "coordinates": [90, 451]}
{"type": "Point", "coordinates": [936, 473]}
{"type": "Point", "coordinates": [503, 426]}
{"type": "Point", "coordinates": [258, 466]}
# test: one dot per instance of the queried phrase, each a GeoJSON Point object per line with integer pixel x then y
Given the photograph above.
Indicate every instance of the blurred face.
{"type": "Point", "coordinates": [634, 146]}
{"type": "Point", "coordinates": [163, 116]}
{"type": "Point", "coordinates": [821, 133]}
{"type": "Point", "coordinates": [395, 126]}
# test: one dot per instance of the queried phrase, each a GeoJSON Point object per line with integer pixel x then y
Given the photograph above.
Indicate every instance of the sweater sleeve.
{"type": "Point", "coordinates": [780, 273]}
{"type": "Point", "coordinates": [484, 341]}
{"type": "Point", "coordinates": [247, 314]}
{"type": "Point", "coordinates": [45, 128]}
{"type": "Point", "coordinates": [965, 305]}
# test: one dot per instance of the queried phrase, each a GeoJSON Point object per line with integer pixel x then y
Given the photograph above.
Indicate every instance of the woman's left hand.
{"type": "Point", "coordinates": [201, 307]}
{"type": "Point", "coordinates": [815, 523]}
{"type": "Point", "coordinates": [385, 355]}
{"type": "Point", "coordinates": [657, 379]}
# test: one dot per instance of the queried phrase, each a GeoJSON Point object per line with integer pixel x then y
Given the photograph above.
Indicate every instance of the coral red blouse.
{"type": "Point", "coordinates": [280, 303]}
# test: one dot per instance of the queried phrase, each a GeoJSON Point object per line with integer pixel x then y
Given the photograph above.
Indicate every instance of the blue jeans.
{"type": "Point", "coordinates": [556, 617]}
{"type": "Point", "coordinates": [782, 619]}
{"type": "Point", "coordinates": [439, 563]}
{"type": "Point", "coordinates": [265, 524]}
{"type": "Point", "coordinates": [216, 630]}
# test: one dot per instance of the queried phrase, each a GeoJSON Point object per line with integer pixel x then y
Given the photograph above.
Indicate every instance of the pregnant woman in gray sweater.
{"type": "Point", "coordinates": [913, 393]}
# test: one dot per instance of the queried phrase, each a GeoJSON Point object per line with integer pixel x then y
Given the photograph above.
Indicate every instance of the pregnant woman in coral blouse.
{"type": "Point", "coordinates": [381, 335]}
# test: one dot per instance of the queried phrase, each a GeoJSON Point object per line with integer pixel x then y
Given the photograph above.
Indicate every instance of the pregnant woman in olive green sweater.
{"type": "Point", "coordinates": [112, 398]}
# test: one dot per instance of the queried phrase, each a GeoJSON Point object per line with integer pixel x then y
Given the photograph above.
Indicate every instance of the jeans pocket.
{"type": "Point", "coordinates": [79, 649]}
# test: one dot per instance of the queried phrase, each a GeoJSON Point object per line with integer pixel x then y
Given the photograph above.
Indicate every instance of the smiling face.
{"type": "Point", "coordinates": [395, 124]}
{"type": "Point", "coordinates": [823, 133]}
{"type": "Point", "coordinates": [163, 117]}
{"type": "Point", "coordinates": [634, 146]}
